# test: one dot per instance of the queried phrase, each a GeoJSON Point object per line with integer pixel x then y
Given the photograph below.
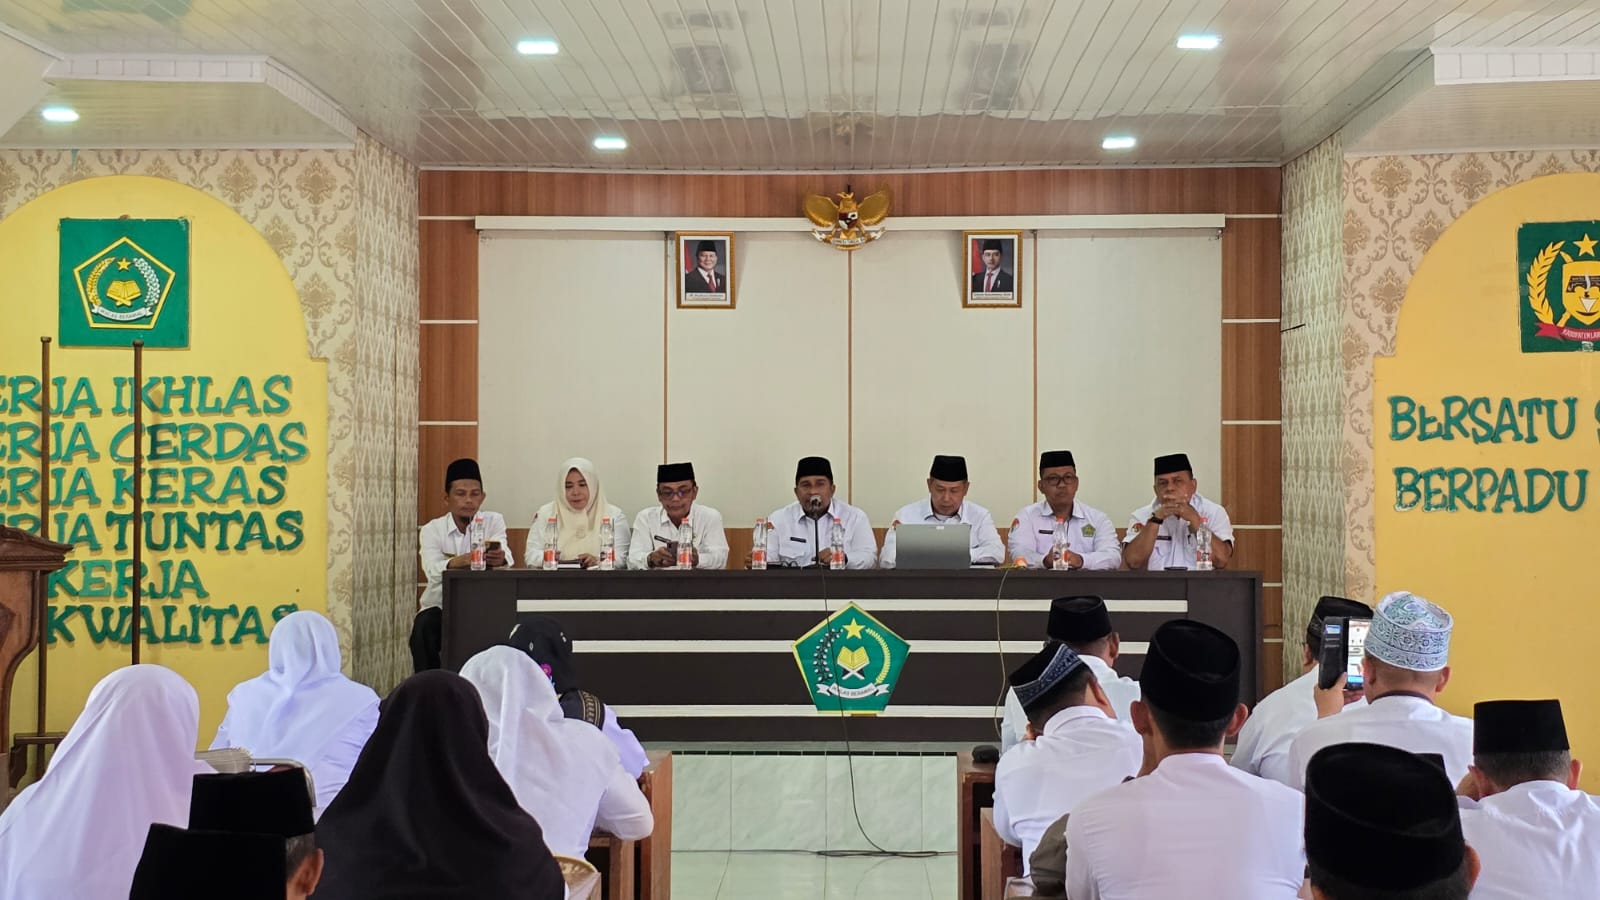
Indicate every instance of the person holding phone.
{"type": "Point", "coordinates": [654, 541]}
{"type": "Point", "coordinates": [1263, 747]}
{"type": "Point", "coordinates": [446, 543]}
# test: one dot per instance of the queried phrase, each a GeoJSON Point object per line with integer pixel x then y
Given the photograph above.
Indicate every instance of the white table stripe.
{"type": "Point", "coordinates": [745, 711]}
{"type": "Point", "coordinates": [1132, 648]}
{"type": "Point", "coordinates": [790, 604]}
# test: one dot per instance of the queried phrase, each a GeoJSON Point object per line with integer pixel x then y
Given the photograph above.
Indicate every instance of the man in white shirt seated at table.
{"type": "Point", "coordinates": [1161, 534]}
{"type": "Point", "coordinates": [1263, 745]}
{"type": "Point", "coordinates": [1091, 538]}
{"type": "Point", "coordinates": [1537, 834]}
{"type": "Point", "coordinates": [1075, 747]}
{"type": "Point", "coordinates": [1084, 624]}
{"type": "Point", "coordinates": [446, 543]}
{"type": "Point", "coordinates": [1193, 827]}
{"type": "Point", "coordinates": [946, 503]}
{"type": "Point", "coordinates": [801, 534]}
{"type": "Point", "coordinates": [654, 543]}
{"type": "Point", "coordinates": [1405, 667]}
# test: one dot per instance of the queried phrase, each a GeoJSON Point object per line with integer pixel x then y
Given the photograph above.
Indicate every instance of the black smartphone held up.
{"type": "Point", "coordinates": [1333, 657]}
{"type": "Point", "coordinates": [1355, 647]}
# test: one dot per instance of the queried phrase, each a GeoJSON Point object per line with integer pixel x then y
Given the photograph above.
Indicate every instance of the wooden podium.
{"type": "Point", "coordinates": [26, 562]}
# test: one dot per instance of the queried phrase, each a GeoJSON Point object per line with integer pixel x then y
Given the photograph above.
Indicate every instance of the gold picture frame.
{"type": "Point", "coordinates": [1003, 290]}
{"type": "Point", "coordinates": [697, 290]}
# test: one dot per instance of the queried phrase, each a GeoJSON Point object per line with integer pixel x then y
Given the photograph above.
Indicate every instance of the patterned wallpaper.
{"type": "Point", "coordinates": [307, 204]}
{"type": "Point", "coordinates": [1313, 380]}
{"type": "Point", "coordinates": [1394, 208]}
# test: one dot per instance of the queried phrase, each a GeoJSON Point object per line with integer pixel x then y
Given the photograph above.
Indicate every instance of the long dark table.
{"type": "Point", "coordinates": [705, 656]}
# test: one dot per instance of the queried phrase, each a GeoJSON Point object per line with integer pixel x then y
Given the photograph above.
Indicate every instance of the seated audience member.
{"type": "Point", "coordinates": [1405, 667]}
{"type": "Point", "coordinates": [446, 543]}
{"type": "Point", "coordinates": [180, 864]}
{"type": "Point", "coordinates": [1194, 827]}
{"type": "Point", "coordinates": [1538, 835]}
{"type": "Point", "coordinates": [302, 708]}
{"type": "Point", "coordinates": [801, 533]}
{"type": "Point", "coordinates": [1263, 745]}
{"type": "Point", "coordinates": [547, 644]}
{"type": "Point", "coordinates": [1084, 624]}
{"type": "Point", "coordinates": [1382, 824]}
{"type": "Point", "coordinates": [125, 764]}
{"type": "Point", "coordinates": [1161, 534]}
{"type": "Point", "coordinates": [277, 803]}
{"type": "Point", "coordinates": [654, 541]}
{"type": "Point", "coordinates": [1091, 537]}
{"type": "Point", "coordinates": [426, 814]}
{"type": "Point", "coordinates": [1075, 749]}
{"type": "Point", "coordinates": [564, 773]}
{"type": "Point", "coordinates": [947, 502]}
{"type": "Point", "coordinates": [579, 510]}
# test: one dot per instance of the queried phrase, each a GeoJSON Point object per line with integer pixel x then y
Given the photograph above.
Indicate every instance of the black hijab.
{"type": "Point", "coordinates": [543, 639]}
{"type": "Point", "coordinates": [425, 813]}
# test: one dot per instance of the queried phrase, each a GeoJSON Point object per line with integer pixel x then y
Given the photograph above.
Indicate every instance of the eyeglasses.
{"type": "Point", "coordinates": [679, 494]}
{"type": "Point", "coordinates": [1058, 480]}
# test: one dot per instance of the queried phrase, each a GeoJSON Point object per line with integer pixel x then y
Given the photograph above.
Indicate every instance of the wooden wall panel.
{"type": "Point", "coordinates": [1251, 387]}
{"type": "Point", "coordinates": [449, 389]}
{"type": "Point", "coordinates": [1252, 269]}
{"type": "Point", "coordinates": [448, 269]}
{"type": "Point", "coordinates": [1259, 550]}
{"type": "Point", "coordinates": [437, 445]}
{"type": "Point", "coordinates": [1252, 460]}
{"type": "Point", "coordinates": [1013, 192]}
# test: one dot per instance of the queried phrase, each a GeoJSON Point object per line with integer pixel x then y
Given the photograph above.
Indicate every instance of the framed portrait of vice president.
{"type": "Point", "coordinates": [993, 269]}
{"type": "Point", "coordinates": [705, 270]}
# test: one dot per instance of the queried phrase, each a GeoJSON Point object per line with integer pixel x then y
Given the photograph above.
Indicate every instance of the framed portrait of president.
{"type": "Point", "coordinates": [705, 270]}
{"type": "Point", "coordinates": [993, 269]}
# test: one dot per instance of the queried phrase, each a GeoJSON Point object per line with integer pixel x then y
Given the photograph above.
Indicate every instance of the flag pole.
{"type": "Point", "coordinates": [44, 513]}
{"type": "Point", "coordinates": [138, 494]}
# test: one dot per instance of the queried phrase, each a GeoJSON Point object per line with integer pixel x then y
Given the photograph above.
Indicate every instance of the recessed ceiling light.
{"type": "Point", "coordinates": [1199, 41]}
{"type": "Point", "coordinates": [59, 114]}
{"type": "Point", "coordinates": [538, 47]}
{"type": "Point", "coordinates": [606, 142]}
{"type": "Point", "coordinates": [1119, 142]}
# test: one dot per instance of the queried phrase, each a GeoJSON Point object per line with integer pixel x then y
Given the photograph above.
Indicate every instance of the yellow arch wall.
{"type": "Point", "coordinates": [245, 322]}
{"type": "Point", "coordinates": [1521, 585]}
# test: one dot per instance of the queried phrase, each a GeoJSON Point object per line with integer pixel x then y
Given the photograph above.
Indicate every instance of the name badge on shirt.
{"type": "Point", "coordinates": [1163, 537]}
{"type": "Point", "coordinates": [1047, 531]}
{"type": "Point", "coordinates": [797, 540]}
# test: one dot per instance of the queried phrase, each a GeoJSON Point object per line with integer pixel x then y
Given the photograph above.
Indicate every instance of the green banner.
{"type": "Point", "coordinates": [1559, 275]}
{"type": "Point", "coordinates": [124, 280]}
{"type": "Point", "coordinates": [850, 662]}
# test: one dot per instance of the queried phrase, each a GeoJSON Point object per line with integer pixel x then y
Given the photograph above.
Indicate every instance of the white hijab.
{"type": "Point", "coordinates": [126, 763]}
{"type": "Point", "coordinates": [302, 702]}
{"type": "Point", "coordinates": [578, 531]}
{"type": "Point", "coordinates": [557, 767]}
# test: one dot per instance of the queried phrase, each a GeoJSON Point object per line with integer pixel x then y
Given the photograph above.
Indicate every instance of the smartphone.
{"type": "Point", "coordinates": [491, 545]}
{"type": "Point", "coordinates": [1355, 643]}
{"type": "Point", "coordinates": [1344, 641]}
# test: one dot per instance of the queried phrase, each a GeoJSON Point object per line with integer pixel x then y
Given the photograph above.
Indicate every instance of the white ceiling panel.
{"type": "Point", "coordinates": [800, 84]}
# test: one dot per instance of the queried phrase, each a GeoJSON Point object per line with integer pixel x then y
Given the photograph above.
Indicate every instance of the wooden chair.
{"type": "Point", "coordinates": [974, 792]}
{"type": "Point", "coordinates": [653, 858]}
{"type": "Point", "coordinates": [998, 861]}
{"type": "Point", "coordinates": [613, 858]}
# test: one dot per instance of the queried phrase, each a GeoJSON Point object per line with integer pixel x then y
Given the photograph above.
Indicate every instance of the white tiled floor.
{"type": "Point", "coordinates": [715, 875]}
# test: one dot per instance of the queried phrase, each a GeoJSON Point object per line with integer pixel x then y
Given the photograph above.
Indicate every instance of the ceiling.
{"type": "Point", "coordinates": [763, 84]}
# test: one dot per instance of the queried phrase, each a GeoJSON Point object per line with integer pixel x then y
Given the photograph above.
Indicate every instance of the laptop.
{"type": "Point", "coordinates": [933, 546]}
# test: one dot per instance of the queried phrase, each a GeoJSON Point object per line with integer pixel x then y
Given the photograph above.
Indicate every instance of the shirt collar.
{"type": "Point", "coordinates": [1045, 512]}
{"type": "Point", "coordinates": [1192, 762]}
{"type": "Point", "coordinates": [1403, 695]}
{"type": "Point", "coordinates": [833, 509]}
{"type": "Point", "coordinates": [1098, 666]}
{"type": "Point", "coordinates": [1072, 714]}
{"type": "Point", "coordinates": [926, 509]}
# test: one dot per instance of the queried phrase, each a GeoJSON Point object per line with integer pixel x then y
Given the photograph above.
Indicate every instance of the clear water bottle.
{"type": "Point", "coordinates": [608, 545]}
{"type": "Point", "coordinates": [685, 545]}
{"type": "Point", "coordinates": [1202, 547]}
{"type": "Point", "coordinates": [1059, 546]}
{"type": "Point", "coordinates": [480, 544]}
{"type": "Point", "coordinates": [550, 532]}
{"type": "Point", "coordinates": [758, 546]}
{"type": "Point", "coordinates": [836, 560]}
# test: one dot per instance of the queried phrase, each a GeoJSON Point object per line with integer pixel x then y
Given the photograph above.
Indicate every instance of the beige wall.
{"type": "Point", "coordinates": [869, 360]}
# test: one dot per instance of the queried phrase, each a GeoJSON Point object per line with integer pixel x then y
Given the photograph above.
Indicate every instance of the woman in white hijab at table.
{"type": "Point", "coordinates": [564, 772]}
{"type": "Point", "coordinates": [125, 764]}
{"type": "Point", "coordinates": [578, 509]}
{"type": "Point", "coordinates": [303, 708]}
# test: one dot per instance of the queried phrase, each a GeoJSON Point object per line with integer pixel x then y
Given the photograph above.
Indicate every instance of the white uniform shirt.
{"type": "Point", "coordinates": [1411, 723]}
{"type": "Point", "coordinates": [653, 529]}
{"type": "Point", "coordinates": [1090, 534]}
{"type": "Point", "coordinates": [1175, 542]}
{"type": "Point", "coordinates": [1263, 747]}
{"type": "Point", "coordinates": [1538, 839]}
{"type": "Point", "coordinates": [1194, 828]}
{"type": "Point", "coordinates": [1120, 690]}
{"type": "Point", "coordinates": [534, 550]}
{"type": "Point", "coordinates": [986, 546]}
{"type": "Point", "coordinates": [792, 542]}
{"type": "Point", "coordinates": [1082, 751]}
{"type": "Point", "coordinates": [440, 539]}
